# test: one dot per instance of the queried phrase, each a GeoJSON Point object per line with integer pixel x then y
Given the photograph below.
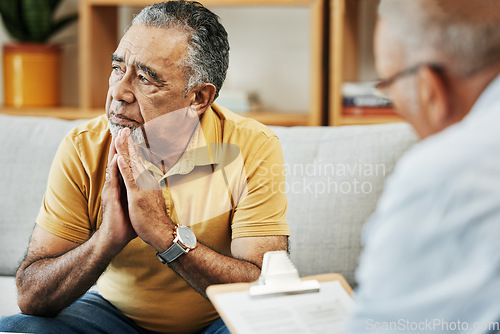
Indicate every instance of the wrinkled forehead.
{"type": "Point", "coordinates": [153, 43]}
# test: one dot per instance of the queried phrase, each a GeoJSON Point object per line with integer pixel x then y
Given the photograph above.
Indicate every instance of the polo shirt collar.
{"type": "Point", "coordinates": [198, 152]}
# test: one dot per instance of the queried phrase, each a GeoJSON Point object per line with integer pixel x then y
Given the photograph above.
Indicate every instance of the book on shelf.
{"type": "Point", "coordinates": [363, 94]}
{"type": "Point", "coordinates": [363, 99]}
{"type": "Point", "coordinates": [366, 101]}
{"type": "Point", "coordinates": [368, 111]}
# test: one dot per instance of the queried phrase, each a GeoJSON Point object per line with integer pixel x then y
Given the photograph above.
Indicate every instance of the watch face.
{"type": "Point", "coordinates": [186, 236]}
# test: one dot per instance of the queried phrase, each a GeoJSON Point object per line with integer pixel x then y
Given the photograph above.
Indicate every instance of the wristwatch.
{"type": "Point", "coordinates": [184, 241]}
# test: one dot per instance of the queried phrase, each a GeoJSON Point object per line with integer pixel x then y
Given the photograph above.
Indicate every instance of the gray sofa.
{"type": "Point", "coordinates": [334, 178]}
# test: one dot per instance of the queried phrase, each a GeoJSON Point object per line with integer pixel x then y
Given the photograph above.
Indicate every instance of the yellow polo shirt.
{"type": "Point", "coordinates": [228, 184]}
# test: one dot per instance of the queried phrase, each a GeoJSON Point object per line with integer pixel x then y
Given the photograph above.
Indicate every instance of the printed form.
{"type": "Point", "coordinates": [320, 312]}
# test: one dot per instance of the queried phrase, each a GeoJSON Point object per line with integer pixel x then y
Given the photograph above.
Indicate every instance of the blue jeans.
{"type": "Point", "coordinates": [89, 314]}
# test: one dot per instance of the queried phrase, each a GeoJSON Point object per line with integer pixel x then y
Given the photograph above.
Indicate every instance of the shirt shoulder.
{"type": "Point", "coordinates": [95, 129]}
{"type": "Point", "coordinates": [75, 181]}
{"type": "Point", "coordinates": [91, 141]}
{"type": "Point", "coordinates": [458, 150]}
{"type": "Point", "coordinates": [441, 172]}
{"type": "Point", "coordinates": [234, 122]}
{"type": "Point", "coordinates": [250, 136]}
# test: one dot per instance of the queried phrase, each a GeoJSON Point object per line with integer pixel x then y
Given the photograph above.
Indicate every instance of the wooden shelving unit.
{"type": "Point", "coordinates": [98, 39]}
{"type": "Point", "coordinates": [336, 41]}
{"type": "Point", "coordinates": [269, 118]}
{"type": "Point", "coordinates": [344, 62]}
{"type": "Point", "coordinates": [61, 112]}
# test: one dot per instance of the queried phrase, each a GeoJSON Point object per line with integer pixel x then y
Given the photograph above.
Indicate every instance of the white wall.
{"type": "Point", "coordinates": [270, 55]}
{"type": "Point", "coordinates": [367, 29]}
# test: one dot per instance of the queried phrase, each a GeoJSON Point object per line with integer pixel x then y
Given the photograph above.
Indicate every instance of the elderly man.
{"type": "Point", "coordinates": [431, 261]}
{"type": "Point", "coordinates": [178, 198]}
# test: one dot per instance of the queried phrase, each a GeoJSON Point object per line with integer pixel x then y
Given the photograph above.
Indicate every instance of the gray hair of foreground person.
{"type": "Point", "coordinates": [208, 50]}
{"type": "Point", "coordinates": [463, 34]}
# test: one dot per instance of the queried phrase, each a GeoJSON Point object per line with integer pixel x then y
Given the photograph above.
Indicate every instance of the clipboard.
{"type": "Point", "coordinates": [283, 312]}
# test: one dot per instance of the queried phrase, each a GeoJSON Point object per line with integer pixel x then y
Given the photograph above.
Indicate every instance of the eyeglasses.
{"type": "Point", "coordinates": [383, 84]}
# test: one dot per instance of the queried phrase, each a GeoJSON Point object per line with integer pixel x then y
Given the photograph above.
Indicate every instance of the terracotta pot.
{"type": "Point", "coordinates": [31, 74]}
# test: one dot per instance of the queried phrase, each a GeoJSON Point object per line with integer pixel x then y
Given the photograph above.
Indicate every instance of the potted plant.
{"type": "Point", "coordinates": [32, 65]}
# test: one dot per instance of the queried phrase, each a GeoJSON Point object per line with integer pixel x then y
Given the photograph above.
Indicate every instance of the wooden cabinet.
{"type": "Point", "coordinates": [60, 112]}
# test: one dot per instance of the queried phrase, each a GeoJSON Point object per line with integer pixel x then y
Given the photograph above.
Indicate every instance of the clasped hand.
{"type": "Point", "coordinates": [133, 204]}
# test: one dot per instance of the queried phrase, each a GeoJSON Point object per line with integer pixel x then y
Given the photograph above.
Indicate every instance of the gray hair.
{"type": "Point", "coordinates": [208, 47]}
{"type": "Point", "coordinates": [463, 34]}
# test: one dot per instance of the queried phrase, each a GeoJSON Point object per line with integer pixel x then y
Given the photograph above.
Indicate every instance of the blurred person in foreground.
{"type": "Point", "coordinates": [431, 259]}
{"type": "Point", "coordinates": [161, 197]}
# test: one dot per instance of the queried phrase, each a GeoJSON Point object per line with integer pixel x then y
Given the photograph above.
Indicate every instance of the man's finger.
{"type": "Point", "coordinates": [125, 148]}
{"type": "Point", "coordinates": [112, 150]}
{"type": "Point", "coordinates": [137, 167]}
{"type": "Point", "coordinates": [126, 166]}
{"type": "Point", "coordinates": [126, 172]}
{"type": "Point", "coordinates": [121, 144]}
{"type": "Point", "coordinates": [143, 179]}
{"type": "Point", "coordinates": [112, 174]}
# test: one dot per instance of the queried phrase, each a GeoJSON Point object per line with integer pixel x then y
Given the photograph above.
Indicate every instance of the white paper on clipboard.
{"type": "Point", "coordinates": [319, 312]}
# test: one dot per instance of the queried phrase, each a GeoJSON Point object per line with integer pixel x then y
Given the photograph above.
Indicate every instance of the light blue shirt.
{"type": "Point", "coordinates": [431, 259]}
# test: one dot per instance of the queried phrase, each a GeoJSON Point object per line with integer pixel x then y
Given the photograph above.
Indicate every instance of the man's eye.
{"type": "Point", "coordinates": [143, 79]}
{"type": "Point", "coordinates": [116, 69]}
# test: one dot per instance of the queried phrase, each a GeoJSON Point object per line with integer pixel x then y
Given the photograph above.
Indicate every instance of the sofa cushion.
{"type": "Point", "coordinates": [334, 179]}
{"type": "Point", "coordinates": [9, 296]}
{"type": "Point", "coordinates": [27, 147]}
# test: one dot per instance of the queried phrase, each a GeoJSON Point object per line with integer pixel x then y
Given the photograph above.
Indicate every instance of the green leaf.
{"type": "Point", "coordinates": [38, 17]}
{"type": "Point", "coordinates": [15, 30]}
{"type": "Point", "coordinates": [11, 12]}
{"type": "Point", "coordinates": [32, 20]}
{"type": "Point", "coordinates": [10, 9]}
{"type": "Point", "coordinates": [54, 4]}
{"type": "Point", "coordinates": [62, 23]}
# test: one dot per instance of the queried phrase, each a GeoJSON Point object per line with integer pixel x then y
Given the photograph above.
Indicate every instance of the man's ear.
{"type": "Point", "coordinates": [204, 96]}
{"type": "Point", "coordinates": [433, 98]}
